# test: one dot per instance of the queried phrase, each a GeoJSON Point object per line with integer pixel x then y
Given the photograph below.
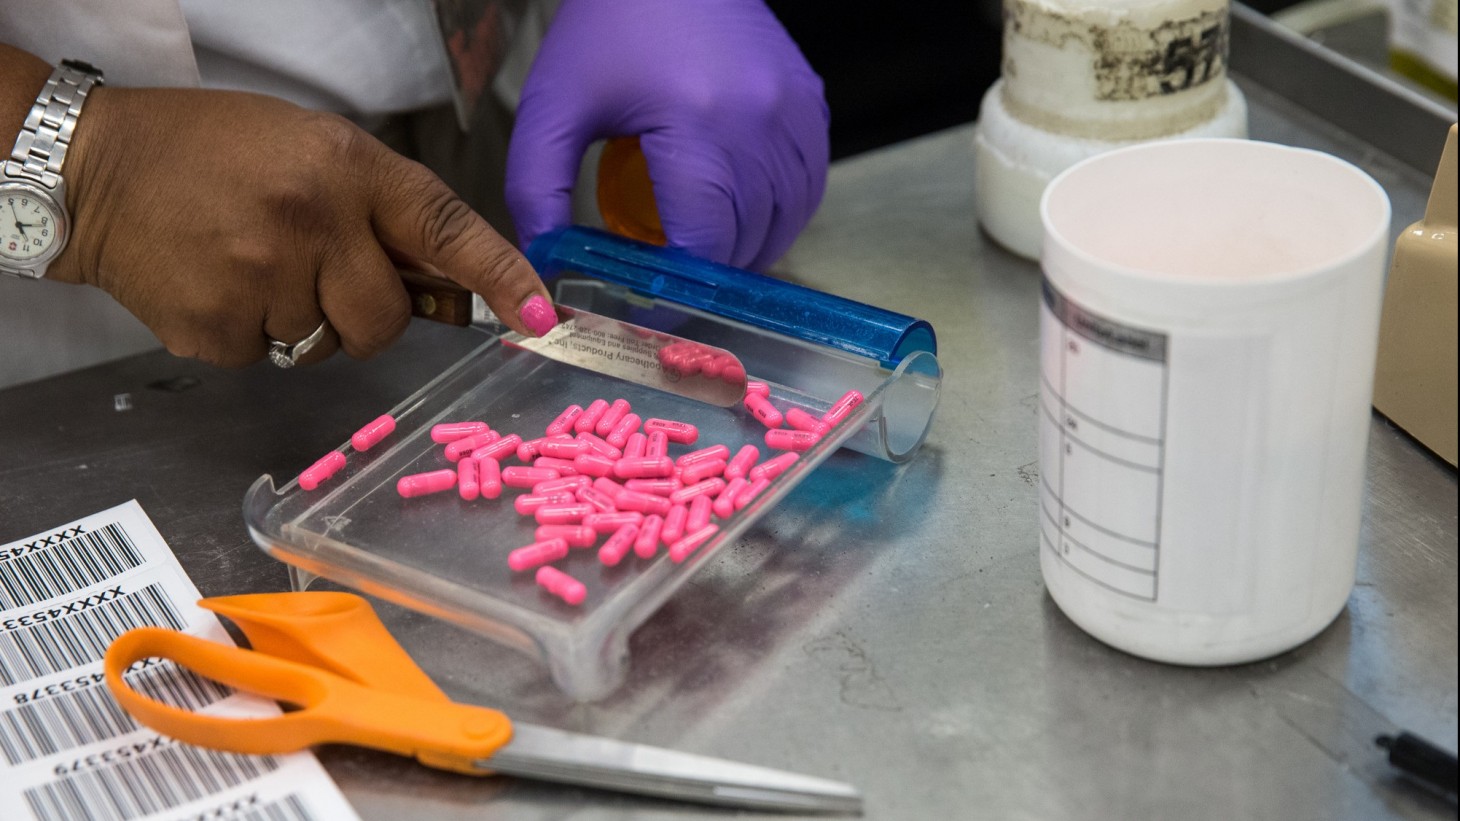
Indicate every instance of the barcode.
{"type": "Point", "coordinates": [45, 647]}
{"type": "Point", "coordinates": [150, 782]}
{"type": "Point", "coordinates": [248, 808]}
{"type": "Point", "coordinates": [68, 720]}
{"type": "Point", "coordinates": [66, 566]}
{"type": "Point", "coordinates": [289, 808]}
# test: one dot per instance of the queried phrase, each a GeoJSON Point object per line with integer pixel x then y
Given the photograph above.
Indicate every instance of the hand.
{"type": "Point", "coordinates": [731, 119]}
{"type": "Point", "coordinates": [223, 219]}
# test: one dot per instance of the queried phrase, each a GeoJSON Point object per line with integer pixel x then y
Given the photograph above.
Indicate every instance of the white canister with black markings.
{"type": "Point", "coordinates": [1209, 323]}
{"type": "Point", "coordinates": [1081, 78]}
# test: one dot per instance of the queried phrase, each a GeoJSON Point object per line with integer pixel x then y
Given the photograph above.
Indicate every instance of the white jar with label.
{"type": "Point", "coordinates": [1208, 330]}
{"type": "Point", "coordinates": [1080, 78]}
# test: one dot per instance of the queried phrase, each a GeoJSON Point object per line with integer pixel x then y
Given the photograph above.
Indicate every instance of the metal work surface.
{"type": "Point", "coordinates": [887, 626]}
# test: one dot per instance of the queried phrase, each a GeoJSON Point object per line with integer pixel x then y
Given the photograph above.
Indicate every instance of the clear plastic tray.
{"type": "Point", "coordinates": [447, 557]}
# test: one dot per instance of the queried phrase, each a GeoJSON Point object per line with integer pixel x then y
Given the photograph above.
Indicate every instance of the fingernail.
{"type": "Point", "coordinates": [538, 315]}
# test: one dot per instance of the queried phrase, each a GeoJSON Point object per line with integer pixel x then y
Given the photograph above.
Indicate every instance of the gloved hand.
{"type": "Point", "coordinates": [731, 119]}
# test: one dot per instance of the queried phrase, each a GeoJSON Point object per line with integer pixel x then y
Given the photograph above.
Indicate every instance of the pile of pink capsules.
{"type": "Point", "coordinates": [604, 470]}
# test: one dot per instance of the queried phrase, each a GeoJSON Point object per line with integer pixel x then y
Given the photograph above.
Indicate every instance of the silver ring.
{"type": "Point", "coordinates": [287, 356]}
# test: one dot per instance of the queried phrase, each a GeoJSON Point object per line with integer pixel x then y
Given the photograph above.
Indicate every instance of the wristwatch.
{"type": "Point", "coordinates": [34, 222]}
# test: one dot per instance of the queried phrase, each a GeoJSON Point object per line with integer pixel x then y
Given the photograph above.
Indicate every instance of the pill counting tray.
{"type": "Point", "coordinates": [447, 557]}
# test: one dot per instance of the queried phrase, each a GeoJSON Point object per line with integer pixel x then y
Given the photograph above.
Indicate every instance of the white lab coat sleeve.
{"type": "Point", "coordinates": [136, 42]}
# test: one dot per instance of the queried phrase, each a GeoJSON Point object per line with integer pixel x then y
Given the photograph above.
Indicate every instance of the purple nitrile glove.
{"type": "Point", "coordinates": [731, 119]}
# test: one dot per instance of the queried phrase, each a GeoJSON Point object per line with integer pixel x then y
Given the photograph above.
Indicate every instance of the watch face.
{"type": "Point", "coordinates": [31, 225]}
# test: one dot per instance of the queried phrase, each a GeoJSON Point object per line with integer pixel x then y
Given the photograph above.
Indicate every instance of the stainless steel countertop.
{"type": "Point", "coordinates": [887, 626]}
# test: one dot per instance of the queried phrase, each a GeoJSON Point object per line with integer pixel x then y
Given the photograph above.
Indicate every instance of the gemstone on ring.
{"type": "Point", "coordinates": [285, 355]}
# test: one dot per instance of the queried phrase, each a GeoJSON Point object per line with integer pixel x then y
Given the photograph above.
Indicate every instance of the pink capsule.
{"type": "Point", "coordinates": [669, 354]}
{"type": "Point", "coordinates": [370, 435]}
{"type": "Point", "coordinates": [787, 439]}
{"type": "Point", "coordinates": [537, 554]}
{"type": "Point", "coordinates": [708, 487]}
{"type": "Point", "coordinates": [674, 523]}
{"type": "Point", "coordinates": [742, 462]}
{"type": "Point", "coordinates": [708, 454]}
{"type": "Point", "coordinates": [608, 487]}
{"type": "Point", "coordinates": [801, 420]}
{"type": "Point", "coordinates": [647, 544]}
{"type": "Point", "coordinates": [618, 545]}
{"type": "Point", "coordinates": [771, 468]}
{"type": "Point", "coordinates": [702, 470]}
{"type": "Point", "coordinates": [681, 432]}
{"type": "Point", "coordinates": [658, 487]}
{"type": "Point", "coordinates": [489, 476]}
{"type": "Point", "coordinates": [421, 484]}
{"type": "Point", "coordinates": [593, 444]}
{"type": "Point", "coordinates": [565, 421]}
{"type": "Point", "coordinates": [700, 508]}
{"type": "Point", "coordinates": [467, 483]}
{"type": "Point", "coordinates": [451, 431]}
{"type": "Point", "coordinates": [600, 501]}
{"type": "Point", "coordinates": [612, 417]}
{"type": "Point", "coordinates": [758, 387]}
{"type": "Point", "coordinates": [763, 411]}
{"type": "Point", "coordinates": [752, 490]}
{"type": "Point", "coordinates": [570, 514]}
{"type": "Point", "coordinates": [562, 448]}
{"type": "Point", "coordinates": [465, 445]}
{"type": "Point", "coordinates": [565, 467]}
{"type": "Point", "coordinates": [574, 535]}
{"type": "Point", "coordinates": [591, 464]}
{"type": "Point", "coordinates": [625, 428]}
{"type": "Point", "coordinates": [646, 468]}
{"type": "Point", "coordinates": [842, 408]}
{"type": "Point", "coordinates": [590, 416]}
{"type": "Point", "coordinates": [562, 585]}
{"type": "Point", "coordinates": [527, 451]}
{"type": "Point", "coordinates": [656, 444]}
{"type": "Point", "coordinates": [567, 484]}
{"type": "Point", "coordinates": [634, 447]}
{"type": "Point", "coordinates": [530, 503]}
{"type": "Point", "coordinates": [643, 502]}
{"type": "Point", "coordinates": [716, 366]}
{"type": "Point", "coordinates": [521, 477]}
{"type": "Point", "coordinates": [325, 467]}
{"type": "Point", "coordinates": [693, 362]}
{"type": "Point", "coordinates": [681, 549]}
{"type": "Point", "coordinates": [725, 503]}
{"type": "Point", "coordinates": [500, 449]}
{"type": "Point", "coordinates": [732, 373]}
{"type": "Point", "coordinates": [609, 522]}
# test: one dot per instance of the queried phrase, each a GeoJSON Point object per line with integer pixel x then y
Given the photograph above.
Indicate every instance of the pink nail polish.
{"type": "Point", "coordinates": [538, 315]}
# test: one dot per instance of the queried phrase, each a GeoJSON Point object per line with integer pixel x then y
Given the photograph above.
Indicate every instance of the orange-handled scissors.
{"type": "Point", "coordinates": [329, 654]}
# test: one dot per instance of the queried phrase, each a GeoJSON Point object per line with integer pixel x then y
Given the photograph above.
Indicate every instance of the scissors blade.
{"type": "Point", "coordinates": [570, 758]}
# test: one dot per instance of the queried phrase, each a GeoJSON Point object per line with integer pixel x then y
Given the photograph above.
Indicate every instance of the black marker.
{"type": "Point", "coordinates": [1421, 760]}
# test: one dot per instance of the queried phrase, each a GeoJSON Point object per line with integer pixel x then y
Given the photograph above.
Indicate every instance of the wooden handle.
{"type": "Point", "coordinates": [437, 299]}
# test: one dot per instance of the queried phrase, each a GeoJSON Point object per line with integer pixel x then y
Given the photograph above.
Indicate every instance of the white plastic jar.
{"type": "Point", "coordinates": [1081, 77]}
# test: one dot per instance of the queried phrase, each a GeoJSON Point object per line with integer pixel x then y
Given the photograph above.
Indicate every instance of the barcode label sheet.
{"type": "Point", "coordinates": [68, 751]}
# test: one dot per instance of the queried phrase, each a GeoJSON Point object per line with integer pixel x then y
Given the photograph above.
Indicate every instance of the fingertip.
{"type": "Point", "coordinates": [537, 315]}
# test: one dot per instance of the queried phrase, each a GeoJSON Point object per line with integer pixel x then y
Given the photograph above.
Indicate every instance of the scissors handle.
{"type": "Point", "coordinates": [333, 709]}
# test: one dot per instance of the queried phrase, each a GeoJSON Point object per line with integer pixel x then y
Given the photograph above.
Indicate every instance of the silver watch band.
{"type": "Point", "coordinates": [40, 150]}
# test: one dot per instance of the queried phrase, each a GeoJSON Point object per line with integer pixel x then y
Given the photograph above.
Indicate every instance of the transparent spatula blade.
{"type": "Point", "coordinates": [640, 355]}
